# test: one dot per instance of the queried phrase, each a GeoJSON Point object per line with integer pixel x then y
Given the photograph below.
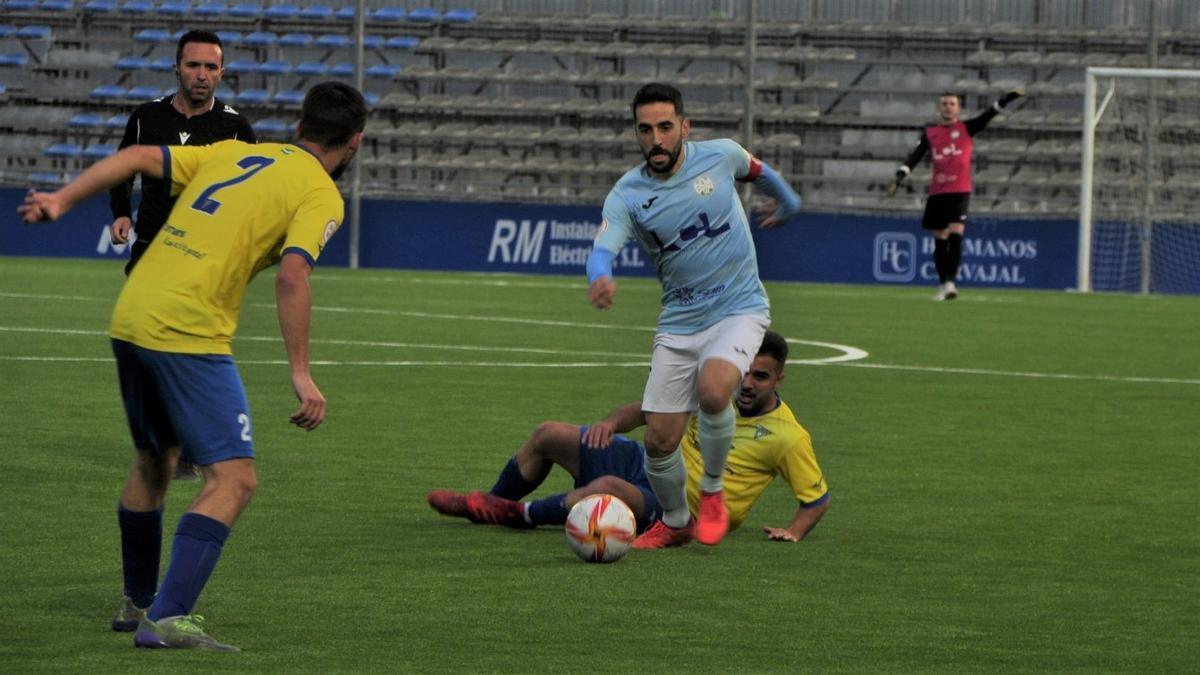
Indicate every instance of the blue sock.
{"type": "Point", "coordinates": [198, 542]}
{"type": "Point", "coordinates": [141, 551]}
{"type": "Point", "coordinates": [550, 510]}
{"type": "Point", "coordinates": [511, 484]}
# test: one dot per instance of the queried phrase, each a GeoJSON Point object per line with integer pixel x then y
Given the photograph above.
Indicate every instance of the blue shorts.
{"type": "Point", "coordinates": [624, 458]}
{"type": "Point", "coordinates": [194, 401]}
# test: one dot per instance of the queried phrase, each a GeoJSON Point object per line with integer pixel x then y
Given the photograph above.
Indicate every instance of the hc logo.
{"type": "Point", "coordinates": [895, 257]}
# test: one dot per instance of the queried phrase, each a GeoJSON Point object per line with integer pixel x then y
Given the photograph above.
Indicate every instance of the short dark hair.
{"type": "Point", "coordinates": [204, 36]}
{"type": "Point", "coordinates": [657, 92]}
{"type": "Point", "coordinates": [950, 93]}
{"type": "Point", "coordinates": [332, 113]}
{"type": "Point", "coordinates": [775, 346]}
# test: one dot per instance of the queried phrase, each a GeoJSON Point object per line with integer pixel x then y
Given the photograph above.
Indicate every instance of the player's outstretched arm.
{"type": "Point", "coordinates": [621, 420]}
{"type": "Point", "coordinates": [802, 523]}
{"type": "Point", "coordinates": [294, 306]}
{"type": "Point", "coordinates": [783, 204]}
{"type": "Point", "coordinates": [110, 171]}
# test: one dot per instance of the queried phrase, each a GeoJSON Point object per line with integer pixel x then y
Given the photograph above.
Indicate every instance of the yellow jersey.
{"type": "Point", "coordinates": [764, 446]}
{"type": "Point", "coordinates": [240, 207]}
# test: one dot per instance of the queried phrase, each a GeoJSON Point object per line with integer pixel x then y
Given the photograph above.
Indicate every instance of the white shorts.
{"type": "Point", "coordinates": [676, 360]}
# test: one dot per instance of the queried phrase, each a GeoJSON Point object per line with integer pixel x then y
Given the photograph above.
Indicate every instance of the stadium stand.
{"type": "Point", "coordinates": [529, 100]}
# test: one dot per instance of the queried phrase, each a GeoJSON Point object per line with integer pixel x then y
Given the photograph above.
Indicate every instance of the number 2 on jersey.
{"type": "Point", "coordinates": [205, 202]}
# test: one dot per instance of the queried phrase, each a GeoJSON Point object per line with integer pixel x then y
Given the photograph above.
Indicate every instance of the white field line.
{"type": "Point", "coordinates": [848, 358]}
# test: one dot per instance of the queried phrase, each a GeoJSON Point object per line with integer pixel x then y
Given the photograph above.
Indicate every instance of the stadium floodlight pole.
{"type": "Point", "coordinates": [356, 176]}
{"type": "Point", "coordinates": [751, 56]}
{"type": "Point", "coordinates": [1091, 118]}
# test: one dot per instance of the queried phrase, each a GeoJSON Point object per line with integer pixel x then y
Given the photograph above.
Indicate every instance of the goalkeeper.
{"type": "Point", "coordinates": [950, 185]}
{"type": "Point", "coordinates": [768, 441]}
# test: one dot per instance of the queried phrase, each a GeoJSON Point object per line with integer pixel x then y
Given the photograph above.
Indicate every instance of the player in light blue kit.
{"type": "Point", "coordinates": [683, 206]}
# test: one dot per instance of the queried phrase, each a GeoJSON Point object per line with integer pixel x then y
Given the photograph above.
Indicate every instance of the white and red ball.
{"type": "Point", "coordinates": [600, 528]}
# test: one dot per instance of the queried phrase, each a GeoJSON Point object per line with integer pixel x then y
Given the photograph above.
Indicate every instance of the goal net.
{"type": "Point", "coordinates": [1139, 215]}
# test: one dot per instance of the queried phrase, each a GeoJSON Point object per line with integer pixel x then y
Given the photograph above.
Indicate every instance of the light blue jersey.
{"type": "Point", "coordinates": [694, 228]}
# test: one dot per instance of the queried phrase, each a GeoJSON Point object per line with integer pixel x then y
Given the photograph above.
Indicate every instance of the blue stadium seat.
{"type": "Point", "coordinates": [46, 178]}
{"type": "Point", "coordinates": [86, 121]}
{"type": "Point", "coordinates": [19, 5]}
{"type": "Point", "coordinates": [137, 7]}
{"type": "Point", "coordinates": [311, 68]}
{"type": "Point", "coordinates": [370, 97]}
{"type": "Point", "coordinates": [402, 42]}
{"type": "Point", "coordinates": [16, 60]}
{"type": "Point", "coordinates": [388, 14]}
{"type": "Point", "coordinates": [210, 9]}
{"type": "Point", "coordinates": [3, 88]}
{"type": "Point", "coordinates": [64, 150]}
{"type": "Point", "coordinates": [343, 69]}
{"type": "Point", "coordinates": [296, 39]}
{"type": "Point", "coordinates": [56, 5]}
{"type": "Point", "coordinates": [460, 16]}
{"type": "Point", "coordinates": [345, 14]}
{"type": "Point", "coordinates": [424, 15]}
{"type": "Point", "coordinates": [175, 8]}
{"type": "Point", "coordinates": [275, 68]}
{"type": "Point", "coordinates": [288, 97]}
{"type": "Point", "coordinates": [260, 39]}
{"type": "Point", "coordinates": [253, 96]}
{"type": "Point", "coordinates": [162, 65]}
{"type": "Point", "coordinates": [282, 12]}
{"type": "Point", "coordinates": [383, 70]}
{"type": "Point", "coordinates": [99, 150]}
{"type": "Point", "coordinates": [271, 126]}
{"type": "Point", "coordinates": [7, 30]}
{"type": "Point", "coordinates": [35, 32]}
{"type": "Point", "coordinates": [152, 35]}
{"type": "Point", "coordinates": [100, 6]}
{"type": "Point", "coordinates": [317, 13]}
{"type": "Point", "coordinates": [241, 66]}
{"type": "Point", "coordinates": [132, 63]}
{"type": "Point", "coordinates": [245, 10]}
{"type": "Point", "coordinates": [372, 41]}
{"type": "Point", "coordinates": [334, 41]}
{"type": "Point", "coordinates": [230, 38]}
{"type": "Point", "coordinates": [108, 92]}
{"type": "Point", "coordinates": [117, 121]}
{"type": "Point", "coordinates": [143, 93]}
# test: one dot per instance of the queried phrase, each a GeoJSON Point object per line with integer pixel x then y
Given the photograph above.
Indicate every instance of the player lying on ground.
{"type": "Point", "coordinates": [768, 441]}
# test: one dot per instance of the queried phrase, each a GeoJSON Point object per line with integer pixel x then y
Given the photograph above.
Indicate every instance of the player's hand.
{"type": "Point", "coordinates": [40, 207]}
{"type": "Point", "coordinates": [598, 436]}
{"type": "Point", "coordinates": [118, 231]}
{"type": "Point", "coordinates": [1012, 96]}
{"type": "Point", "coordinates": [779, 534]}
{"type": "Point", "coordinates": [891, 189]}
{"type": "Point", "coordinates": [773, 214]}
{"type": "Point", "coordinates": [601, 292]}
{"type": "Point", "coordinates": [312, 403]}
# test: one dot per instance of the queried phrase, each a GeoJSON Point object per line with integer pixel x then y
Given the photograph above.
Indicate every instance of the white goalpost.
{"type": "Point", "coordinates": [1139, 204]}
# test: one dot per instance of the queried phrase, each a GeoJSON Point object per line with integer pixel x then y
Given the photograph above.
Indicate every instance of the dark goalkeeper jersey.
{"type": "Point", "coordinates": [159, 123]}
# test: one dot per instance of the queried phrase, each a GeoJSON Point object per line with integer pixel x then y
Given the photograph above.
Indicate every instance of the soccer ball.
{"type": "Point", "coordinates": [600, 528]}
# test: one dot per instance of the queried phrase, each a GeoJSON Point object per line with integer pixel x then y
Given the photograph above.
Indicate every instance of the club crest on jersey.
{"type": "Point", "coordinates": [603, 228]}
{"type": "Point", "coordinates": [330, 228]}
{"type": "Point", "coordinates": [954, 134]}
{"type": "Point", "coordinates": [703, 186]}
{"type": "Point", "coordinates": [183, 137]}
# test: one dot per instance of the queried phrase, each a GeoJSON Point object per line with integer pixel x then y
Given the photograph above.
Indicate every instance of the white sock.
{"type": "Point", "coordinates": [716, 438]}
{"type": "Point", "coordinates": [668, 477]}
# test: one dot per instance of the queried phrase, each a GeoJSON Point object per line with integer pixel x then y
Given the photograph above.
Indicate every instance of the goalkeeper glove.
{"type": "Point", "coordinates": [1012, 96]}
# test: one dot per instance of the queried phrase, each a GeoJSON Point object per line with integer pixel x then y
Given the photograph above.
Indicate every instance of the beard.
{"type": "Point", "coordinates": [671, 155]}
{"type": "Point", "coordinates": [341, 168]}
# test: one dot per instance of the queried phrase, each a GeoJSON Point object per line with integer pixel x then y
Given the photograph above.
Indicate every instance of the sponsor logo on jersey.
{"type": "Point", "coordinates": [183, 137]}
{"type": "Point", "coordinates": [649, 202]}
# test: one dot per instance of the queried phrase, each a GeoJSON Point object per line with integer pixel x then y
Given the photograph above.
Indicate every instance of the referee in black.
{"type": "Point", "coordinates": [193, 115]}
